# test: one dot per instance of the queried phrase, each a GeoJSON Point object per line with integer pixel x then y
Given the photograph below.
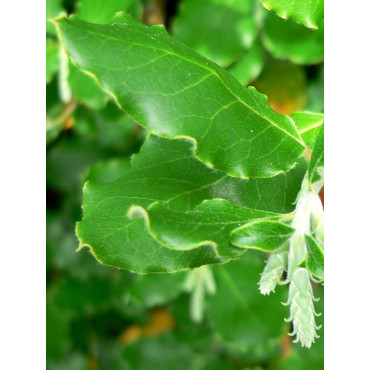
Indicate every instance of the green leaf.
{"type": "Point", "coordinates": [239, 313]}
{"type": "Point", "coordinates": [174, 92]}
{"type": "Point", "coordinates": [54, 9]}
{"type": "Point", "coordinates": [166, 171]}
{"type": "Point", "coordinates": [157, 289]}
{"type": "Point", "coordinates": [315, 259]}
{"type": "Point", "coordinates": [210, 223]}
{"type": "Point", "coordinates": [289, 40]}
{"type": "Point", "coordinates": [102, 11]}
{"type": "Point", "coordinates": [266, 235]}
{"type": "Point", "coordinates": [306, 12]}
{"type": "Point", "coordinates": [85, 89]}
{"type": "Point", "coordinates": [230, 29]}
{"type": "Point", "coordinates": [52, 58]}
{"type": "Point", "coordinates": [317, 159]}
{"type": "Point", "coordinates": [249, 65]}
{"type": "Point", "coordinates": [308, 125]}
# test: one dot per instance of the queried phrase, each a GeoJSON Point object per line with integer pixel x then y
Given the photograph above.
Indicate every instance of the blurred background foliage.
{"type": "Point", "coordinates": [102, 318]}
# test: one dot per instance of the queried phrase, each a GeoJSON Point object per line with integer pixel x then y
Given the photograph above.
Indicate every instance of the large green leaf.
{"type": "Point", "coordinates": [208, 224]}
{"type": "Point", "coordinates": [266, 235]}
{"type": "Point", "coordinates": [289, 40]}
{"type": "Point", "coordinates": [175, 92]}
{"type": "Point", "coordinates": [239, 313]}
{"type": "Point", "coordinates": [230, 29]}
{"type": "Point", "coordinates": [308, 125]}
{"type": "Point", "coordinates": [306, 12]}
{"type": "Point", "coordinates": [317, 160]}
{"type": "Point", "coordinates": [166, 171]}
{"type": "Point", "coordinates": [103, 11]}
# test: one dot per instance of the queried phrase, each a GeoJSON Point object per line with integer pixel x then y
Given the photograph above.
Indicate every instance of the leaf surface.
{"type": "Point", "coordinates": [306, 12]}
{"type": "Point", "coordinates": [230, 29]}
{"type": "Point", "coordinates": [265, 235]}
{"type": "Point", "coordinates": [209, 223]}
{"type": "Point", "coordinates": [166, 171]}
{"type": "Point", "coordinates": [289, 40]}
{"type": "Point", "coordinates": [175, 92]}
{"type": "Point", "coordinates": [317, 159]}
{"type": "Point", "coordinates": [315, 259]}
{"type": "Point", "coordinates": [52, 58]}
{"type": "Point", "coordinates": [308, 125]}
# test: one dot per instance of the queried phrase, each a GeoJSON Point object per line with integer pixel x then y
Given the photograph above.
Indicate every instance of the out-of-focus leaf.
{"type": "Point", "coordinates": [289, 40]}
{"type": "Point", "coordinates": [157, 289]}
{"type": "Point", "coordinates": [103, 11]}
{"type": "Point", "coordinates": [54, 9]}
{"type": "Point", "coordinates": [221, 30]}
{"type": "Point", "coordinates": [75, 361]}
{"type": "Point", "coordinates": [52, 58]}
{"type": "Point", "coordinates": [315, 91]}
{"type": "Point", "coordinates": [249, 65]}
{"type": "Point", "coordinates": [175, 92]}
{"type": "Point", "coordinates": [308, 125]}
{"type": "Point", "coordinates": [284, 83]}
{"type": "Point", "coordinates": [239, 313]}
{"type": "Point", "coordinates": [306, 12]}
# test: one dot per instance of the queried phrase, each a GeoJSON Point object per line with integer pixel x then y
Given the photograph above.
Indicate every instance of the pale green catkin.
{"type": "Point", "coordinates": [302, 310]}
{"type": "Point", "coordinates": [272, 272]}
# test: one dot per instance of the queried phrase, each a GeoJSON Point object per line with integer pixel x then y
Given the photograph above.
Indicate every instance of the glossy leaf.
{"type": "Point", "coordinates": [317, 159]}
{"type": "Point", "coordinates": [306, 12]}
{"type": "Point", "coordinates": [240, 314]}
{"type": "Point", "coordinates": [166, 171]}
{"type": "Point", "coordinates": [289, 40]}
{"type": "Point", "coordinates": [210, 223]}
{"type": "Point", "coordinates": [174, 92]}
{"type": "Point", "coordinates": [249, 65]}
{"type": "Point", "coordinates": [315, 259]}
{"type": "Point", "coordinates": [265, 235]}
{"type": "Point", "coordinates": [102, 11]}
{"type": "Point", "coordinates": [230, 29]}
{"type": "Point", "coordinates": [308, 125]}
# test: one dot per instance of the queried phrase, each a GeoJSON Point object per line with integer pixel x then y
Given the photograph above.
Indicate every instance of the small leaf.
{"type": "Point", "coordinates": [265, 235]}
{"type": "Point", "coordinates": [308, 125]}
{"type": "Point", "coordinates": [230, 29]}
{"type": "Point", "coordinates": [315, 259]}
{"type": "Point", "coordinates": [317, 159]}
{"type": "Point", "coordinates": [309, 13]}
{"type": "Point", "coordinates": [289, 40]}
{"type": "Point", "coordinates": [175, 92]}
